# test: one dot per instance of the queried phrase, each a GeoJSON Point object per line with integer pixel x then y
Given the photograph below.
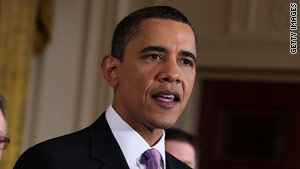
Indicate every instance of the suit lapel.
{"type": "Point", "coordinates": [168, 161]}
{"type": "Point", "coordinates": [104, 146]}
{"type": "Point", "coordinates": [174, 163]}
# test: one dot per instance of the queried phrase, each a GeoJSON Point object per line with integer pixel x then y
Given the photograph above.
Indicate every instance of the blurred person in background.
{"type": "Point", "coordinates": [183, 146]}
{"type": "Point", "coordinates": [3, 126]}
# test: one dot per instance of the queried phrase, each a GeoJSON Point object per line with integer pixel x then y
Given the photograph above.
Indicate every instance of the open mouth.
{"type": "Point", "coordinates": [166, 98]}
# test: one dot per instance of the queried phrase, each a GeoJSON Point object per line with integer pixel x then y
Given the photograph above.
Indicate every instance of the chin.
{"type": "Point", "coordinates": [165, 123]}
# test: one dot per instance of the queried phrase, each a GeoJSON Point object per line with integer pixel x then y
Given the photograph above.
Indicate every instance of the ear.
{"type": "Point", "coordinates": [109, 68]}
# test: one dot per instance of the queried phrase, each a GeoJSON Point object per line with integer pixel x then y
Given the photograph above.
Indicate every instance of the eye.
{"type": "Point", "coordinates": [186, 62]}
{"type": "Point", "coordinates": [154, 56]}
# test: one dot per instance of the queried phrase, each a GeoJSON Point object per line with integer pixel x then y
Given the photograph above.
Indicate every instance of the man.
{"type": "Point", "coordinates": [3, 140]}
{"type": "Point", "coordinates": [152, 70]}
{"type": "Point", "coordinates": [183, 146]}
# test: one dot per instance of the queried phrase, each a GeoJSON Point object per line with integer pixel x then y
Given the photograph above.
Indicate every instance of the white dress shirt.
{"type": "Point", "coordinates": [132, 144]}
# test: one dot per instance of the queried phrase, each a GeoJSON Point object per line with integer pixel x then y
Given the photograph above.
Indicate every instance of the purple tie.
{"type": "Point", "coordinates": [151, 158]}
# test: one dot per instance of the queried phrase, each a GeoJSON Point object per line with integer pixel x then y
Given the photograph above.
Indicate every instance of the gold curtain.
{"type": "Point", "coordinates": [24, 30]}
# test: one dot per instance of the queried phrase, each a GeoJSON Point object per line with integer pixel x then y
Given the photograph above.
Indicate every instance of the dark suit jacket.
{"type": "Point", "coordinates": [94, 147]}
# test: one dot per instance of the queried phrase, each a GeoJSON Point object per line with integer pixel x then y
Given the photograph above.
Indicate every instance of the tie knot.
{"type": "Point", "coordinates": [151, 158]}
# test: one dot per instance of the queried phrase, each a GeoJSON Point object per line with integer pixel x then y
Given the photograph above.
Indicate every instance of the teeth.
{"type": "Point", "coordinates": [163, 99]}
{"type": "Point", "coordinates": [168, 96]}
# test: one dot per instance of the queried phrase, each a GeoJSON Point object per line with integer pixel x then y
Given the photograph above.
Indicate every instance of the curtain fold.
{"type": "Point", "coordinates": [25, 27]}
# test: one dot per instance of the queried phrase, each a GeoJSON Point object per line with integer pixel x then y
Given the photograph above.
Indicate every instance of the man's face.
{"type": "Point", "coordinates": [2, 128]}
{"type": "Point", "coordinates": [183, 151]}
{"type": "Point", "coordinates": [157, 74]}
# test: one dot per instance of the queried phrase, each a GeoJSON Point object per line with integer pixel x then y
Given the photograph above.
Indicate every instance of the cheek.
{"type": "Point", "coordinates": [137, 85]}
{"type": "Point", "coordinates": [189, 83]}
{"type": "Point", "coordinates": [142, 80]}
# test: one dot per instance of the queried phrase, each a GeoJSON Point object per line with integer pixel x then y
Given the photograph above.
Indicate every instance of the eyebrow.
{"type": "Point", "coordinates": [163, 49]}
{"type": "Point", "coordinates": [188, 54]}
{"type": "Point", "coordinates": [154, 48]}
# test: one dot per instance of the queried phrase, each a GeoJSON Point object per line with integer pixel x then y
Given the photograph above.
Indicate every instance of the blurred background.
{"type": "Point", "coordinates": [245, 105]}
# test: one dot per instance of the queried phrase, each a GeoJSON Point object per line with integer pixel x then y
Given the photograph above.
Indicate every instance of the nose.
{"type": "Point", "coordinates": [170, 72]}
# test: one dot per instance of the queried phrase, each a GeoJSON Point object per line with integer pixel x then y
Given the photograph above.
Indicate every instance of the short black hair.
{"type": "Point", "coordinates": [180, 135]}
{"type": "Point", "coordinates": [128, 27]}
{"type": "Point", "coordinates": [2, 105]}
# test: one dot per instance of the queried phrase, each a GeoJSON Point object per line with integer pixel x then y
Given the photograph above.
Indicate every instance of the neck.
{"type": "Point", "coordinates": [151, 136]}
{"type": "Point", "coordinates": [150, 133]}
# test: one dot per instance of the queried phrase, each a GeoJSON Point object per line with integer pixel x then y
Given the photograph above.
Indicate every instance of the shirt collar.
{"type": "Point", "coordinates": [132, 144]}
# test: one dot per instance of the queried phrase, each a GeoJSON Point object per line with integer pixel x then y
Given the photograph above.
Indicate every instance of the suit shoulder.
{"type": "Point", "coordinates": [73, 139]}
{"type": "Point", "coordinates": [51, 153]}
{"type": "Point", "coordinates": [68, 151]}
{"type": "Point", "coordinates": [37, 157]}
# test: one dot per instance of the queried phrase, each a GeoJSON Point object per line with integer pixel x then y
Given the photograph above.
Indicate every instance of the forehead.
{"type": "Point", "coordinates": [2, 124]}
{"type": "Point", "coordinates": [164, 32]}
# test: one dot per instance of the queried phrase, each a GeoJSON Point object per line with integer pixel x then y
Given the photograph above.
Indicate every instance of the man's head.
{"type": "Point", "coordinates": [152, 67]}
{"type": "Point", "coordinates": [3, 140]}
{"type": "Point", "coordinates": [183, 146]}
